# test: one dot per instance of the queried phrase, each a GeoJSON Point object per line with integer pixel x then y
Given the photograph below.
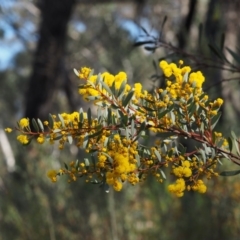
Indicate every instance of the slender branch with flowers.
{"type": "Point", "coordinates": [114, 137]}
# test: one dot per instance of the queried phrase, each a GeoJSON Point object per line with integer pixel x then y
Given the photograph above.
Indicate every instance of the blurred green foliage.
{"type": "Point", "coordinates": [31, 207]}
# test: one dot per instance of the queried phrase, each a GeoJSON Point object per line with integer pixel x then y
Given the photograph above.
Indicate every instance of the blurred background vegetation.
{"type": "Point", "coordinates": [40, 43]}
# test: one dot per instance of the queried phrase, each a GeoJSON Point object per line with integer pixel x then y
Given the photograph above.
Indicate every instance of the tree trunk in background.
{"type": "Point", "coordinates": [183, 34]}
{"type": "Point", "coordinates": [48, 60]}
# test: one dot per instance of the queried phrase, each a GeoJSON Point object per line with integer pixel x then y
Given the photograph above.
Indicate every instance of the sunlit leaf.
{"type": "Point", "coordinates": [158, 155]}
{"type": "Point", "coordinates": [163, 174]}
{"type": "Point", "coordinates": [61, 120]}
{"type": "Point", "coordinates": [106, 87]}
{"type": "Point", "coordinates": [40, 124]}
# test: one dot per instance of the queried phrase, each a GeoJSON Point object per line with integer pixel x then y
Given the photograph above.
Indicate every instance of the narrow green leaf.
{"type": "Point", "coordinates": [113, 106]}
{"type": "Point", "coordinates": [122, 88]}
{"type": "Point", "coordinates": [162, 114]}
{"type": "Point", "coordinates": [57, 130]}
{"type": "Point", "coordinates": [66, 166]}
{"type": "Point", "coordinates": [235, 56]}
{"type": "Point", "coordinates": [166, 134]}
{"type": "Point", "coordinates": [57, 137]}
{"type": "Point", "coordinates": [109, 157]}
{"type": "Point", "coordinates": [137, 157]}
{"type": "Point", "coordinates": [230, 145]}
{"type": "Point", "coordinates": [233, 135]}
{"type": "Point", "coordinates": [86, 161]}
{"type": "Point", "coordinates": [70, 139]}
{"type": "Point", "coordinates": [158, 155]}
{"type": "Point", "coordinates": [99, 79]}
{"type": "Point", "coordinates": [34, 123]}
{"type": "Point", "coordinates": [182, 149]}
{"type": "Point", "coordinates": [95, 134]}
{"type": "Point", "coordinates": [93, 160]}
{"type": "Point", "coordinates": [85, 141]}
{"type": "Point", "coordinates": [203, 155]}
{"type": "Point", "coordinates": [217, 51]}
{"type": "Point", "coordinates": [237, 146]}
{"type": "Point", "coordinates": [40, 124]}
{"type": "Point", "coordinates": [133, 130]}
{"type": "Point", "coordinates": [229, 173]}
{"type": "Point", "coordinates": [163, 174]}
{"type": "Point", "coordinates": [106, 87]}
{"type": "Point", "coordinates": [142, 127]}
{"type": "Point", "coordinates": [61, 120]}
{"type": "Point", "coordinates": [222, 41]}
{"type": "Point", "coordinates": [128, 98]}
{"type": "Point", "coordinates": [77, 164]}
{"type": "Point", "coordinates": [109, 116]}
{"type": "Point", "coordinates": [76, 72]}
{"type": "Point", "coordinates": [215, 120]}
{"type": "Point", "coordinates": [113, 89]}
{"type": "Point", "coordinates": [89, 116]}
{"type": "Point", "coordinates": [50, 121]}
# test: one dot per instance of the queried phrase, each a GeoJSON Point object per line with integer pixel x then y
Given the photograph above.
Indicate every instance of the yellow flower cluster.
{"type": "Point", "coordinates": [199, 186]}
{"type": "Point", "coordinates": [122, 152]}
{"type": "Point", "coordinates": [184, 170]}
{"type": "Point", "coordinates": [183, 86]}
{"type": "Point", "coordinates": [178, 187]}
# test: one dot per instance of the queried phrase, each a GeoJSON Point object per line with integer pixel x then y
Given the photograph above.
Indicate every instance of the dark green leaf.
{"type": "Point", "coordinates": [109, 116]}
{"type": "Point", "coordinates": [34, 123]}
{"type": "Point", "coordinates": [142, 127]}
{"type": "Point", "coordinates": [235, 56]}
{"type": "Point", "coordinates": [50, 121]}
{"type": "Point", "coordinates": [229, 173]}
{"type": "Point", "coordinates": [66, 166]}
{"type": "Point", "coordinates": [230, 145]}
{"type": "Point", "coordinates": [166, 134]}
{"type": "Point", "coordinates": [222, 41]}
{"type": "Point", "coordinates": [162, 114]}
{"type": "Point", "coordinates": [215, 120]}
{"type": "Point", "coordinates": [89, 116]}
{"type": "Point", "coordinates": [217, 52]}
{"type": "Point", "coordinates": [128, 98]}
{"type": "Point", "coordinates": [122, 88]}
{"type": "Point", "coordinates": [140, 43]}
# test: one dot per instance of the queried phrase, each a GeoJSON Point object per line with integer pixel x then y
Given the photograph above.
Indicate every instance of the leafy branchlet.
{"type": "Point", "coordinates": [114, 137]}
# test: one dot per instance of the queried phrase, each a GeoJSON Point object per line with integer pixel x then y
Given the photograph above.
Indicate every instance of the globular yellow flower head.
{"type": "Point", "coordinates": [40, 139]}
{"type": "Point", "coordinates": [84, 72]}
{"type": "Point", "coordinates": [8, 130]}
{"type": "Point", "coordinates": [52, 174]}
{"type": "Point", "coordinates": [23, 139]}
{"type": "Point", "coordinates": [178, 187]}
{"type": "Point", "coordinates": [24, 122]}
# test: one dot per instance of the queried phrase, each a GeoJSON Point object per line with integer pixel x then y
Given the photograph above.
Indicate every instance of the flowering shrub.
{"type": "Point", "coordinates": [115, 138]}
